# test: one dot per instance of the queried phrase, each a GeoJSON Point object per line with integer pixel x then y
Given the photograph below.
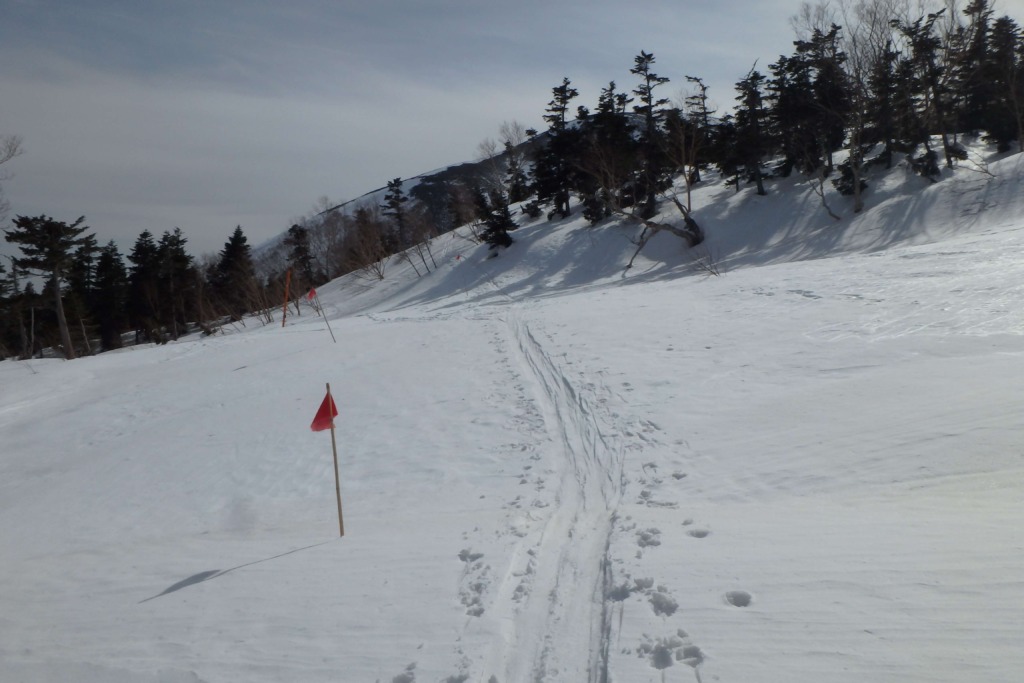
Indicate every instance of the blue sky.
{"type": "Point", "coordinates": [210, 114]}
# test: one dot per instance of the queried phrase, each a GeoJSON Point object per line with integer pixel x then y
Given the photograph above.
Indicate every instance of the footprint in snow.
{"type": "Point", "coordinates": [739, 598]}
{"type": "Point", "coordinates": [663, 653]}
{"type": "Point", "coordinates": [648, 537]}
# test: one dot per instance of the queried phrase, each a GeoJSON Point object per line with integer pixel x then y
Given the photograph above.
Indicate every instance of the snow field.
{"type": "Point", "coordinates": [808, 470]}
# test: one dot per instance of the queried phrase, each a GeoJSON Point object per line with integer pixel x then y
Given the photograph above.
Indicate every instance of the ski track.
{"type": "Point", "coordinates": [566, 555]}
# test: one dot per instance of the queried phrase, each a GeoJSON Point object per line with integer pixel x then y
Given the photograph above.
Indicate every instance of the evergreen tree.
{"type": "Point", "coordinates": [651, 110]}
{"type": "Point", "coordinates": [924, 80]}
{"type": "Point", "coordinates": [234, 276]}
{"type": "Point", "coordinates": [48, 247]}
{"type": "Point", "coordinates": [1004, 70]}
{"type": "Point", "coordinates": [177, 278]}
{"type": "Point", "coordinates": [13, 336]}
{"type": "Point", "coordinates": [111, 302]}
{"type": "Point", "coordinates": [725, 152]}
{"type": "Point", "coordinates": [608, 156]}
{"type": "Point", "coordinates": [300, 258]}
{"type": "Point", "coordinates": [694, 131]}
{"type": "Point", "coordinates": [554, 166]}
{"type": "Point", "coordinates": [751, 142]}
{"type": "Point", "coordinates": [883, 104]}
{"type": "Point", "coordinates": [394, 208]}
{"type": "Point", "coordinates": [831, 89]}
{"type": "Point", "coordinates": [80, 295]}
{"type": "Point", "coordinates": [971, 88]}
{"type": "Point", "coordinates": [810, 101]}
{"type": "Point", "coordinates": [144, 288]}
{"type": "Point", "coordinates": [495, 219]}
{"type": "Point", "coordinates": [515, 176]}
{"type": "Point", "coordinates": [8, 331]}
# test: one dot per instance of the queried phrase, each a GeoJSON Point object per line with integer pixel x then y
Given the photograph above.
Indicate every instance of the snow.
{"type": "Point", "coordinates": [552, 469]}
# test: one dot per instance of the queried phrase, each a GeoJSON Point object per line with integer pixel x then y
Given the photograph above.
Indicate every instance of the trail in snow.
{"type": "Point", "coordinates": [568, 554]}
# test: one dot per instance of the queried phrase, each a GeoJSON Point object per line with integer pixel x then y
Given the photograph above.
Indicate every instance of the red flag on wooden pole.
{"type": "Point", "coordinates": [325, 420]}
{"type": "Point", "coordinates": [325, 415]}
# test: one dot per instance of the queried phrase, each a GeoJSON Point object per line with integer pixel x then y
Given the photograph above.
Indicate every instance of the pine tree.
{"type": "Point", "coordinates": [177, 277]}
{"type": "Point", "coordinates": [515, 176]}
{"type": "Point", "coordinates": [725, 152]}
{"type": "Point", "coordinates": [924, 79]}
{"type": "Point", "coordinates": [881, 108]}
{"type": "Point", "coordinates": [111, 304]}
{"type": "Point", "coordinates": [650, 109]}
{"type": "Point", "coordinates": [1004, 70]}
{"type": "Point", "coordinates": [810, 101]}
{"type": "Point", "coordinates": [8, 333]}
{"type": "Point", "coordinates": [972, 89]}
{"type": "Point", "coordinates": [80, 295]}
{"type": "Point", "coordinates": [13, 338]}
{"type": "Point", "coordinates": [47, 247]}
{"type": "Point", "coordinates": [300, 258]}
{"type": "Point", "coordinates": [394, 208]}
{"type": "Point", "coordinates": [554, 166]}
{"type": "Point", "coordinates": [695, 131]}
{"type": "Point", "coordinates": [608, 156]}
{"type": "Point", "coordinates": [144, 288]}
{"type": "Point", "coordinates": [752, 142]}
{"type": "Point", "coordinates": [496, 218]}
{"type": "Point", "coordinates": [234, 276]}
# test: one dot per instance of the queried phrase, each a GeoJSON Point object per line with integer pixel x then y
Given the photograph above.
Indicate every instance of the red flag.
{"type": "Point", "coordinates": [311, 295]}
{"type": "Point", "coordinates": [325, 416]}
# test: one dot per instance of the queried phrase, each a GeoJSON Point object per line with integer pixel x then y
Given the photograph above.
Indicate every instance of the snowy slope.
{"type": "Point", "coordinates": [809, 469]}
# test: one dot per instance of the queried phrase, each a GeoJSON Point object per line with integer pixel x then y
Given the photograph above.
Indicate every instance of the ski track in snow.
{"type": "Point", "coordinates": [565, 557]}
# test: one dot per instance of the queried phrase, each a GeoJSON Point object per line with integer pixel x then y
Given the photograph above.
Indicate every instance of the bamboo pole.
{"type": "Point", "coordinates": [337, 480]}
{"type": "Point", "coordinates": [284, 310]}
{"type": "Point", "coordinates": [88, 346]}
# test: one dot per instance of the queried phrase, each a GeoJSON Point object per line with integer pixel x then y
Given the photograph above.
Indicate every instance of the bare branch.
{"type": "Point", "coordinates": [10, 147]}
{"type": "Point", "coordinates": [706, 261]}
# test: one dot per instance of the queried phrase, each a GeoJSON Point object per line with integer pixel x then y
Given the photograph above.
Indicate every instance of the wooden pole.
{"type": "Point", "coordinates": [337, 480]}
{"type": "Point", "coordinates": [325, 319]}
{"type": "Point", "coordinates": [88, 347]}
{"type": "Point", "coordinates": [287, 281]}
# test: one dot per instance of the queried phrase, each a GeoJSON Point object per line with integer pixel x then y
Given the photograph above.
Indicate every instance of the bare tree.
{"type": "Point", "coordinates": [326, 231]}
{"type": "Point", "coordinates": [504, 161]}
{"type": "Point", "coordinates": [461, 204]}
{"type": "Point", "coordinates": [513, 133]}
{"type": "Point", "coordinates": [687, 127]}
{"type": "Point", "coordinates": [10, 147]}
{"type": "Point", "coordinates": [489, 154]}
{"type": "Point", "coordinates": [423, 231]}
{"type": "Point", "coordinates": [365, 247]}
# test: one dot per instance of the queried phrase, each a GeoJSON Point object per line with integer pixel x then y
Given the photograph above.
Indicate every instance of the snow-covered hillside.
{"type": "Point", "coordinates": [808, 469]}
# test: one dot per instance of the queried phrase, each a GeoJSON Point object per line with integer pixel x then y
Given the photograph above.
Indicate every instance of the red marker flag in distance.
{"type": "Point", "coordinates": [325, 416]}
{"type": "Point", "coordinates": [311, 295]}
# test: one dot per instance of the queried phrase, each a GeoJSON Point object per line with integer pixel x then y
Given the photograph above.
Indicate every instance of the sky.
{"type": "Point", "coordinates": [208, 114]}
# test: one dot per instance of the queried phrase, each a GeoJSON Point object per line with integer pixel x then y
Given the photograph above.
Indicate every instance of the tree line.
{"type": "Point", "coordinates": [885, 81]}
{"type": "Point", "coordinates": [93, 298]}
{"type": "Point", "coordinates": [882, 80]}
